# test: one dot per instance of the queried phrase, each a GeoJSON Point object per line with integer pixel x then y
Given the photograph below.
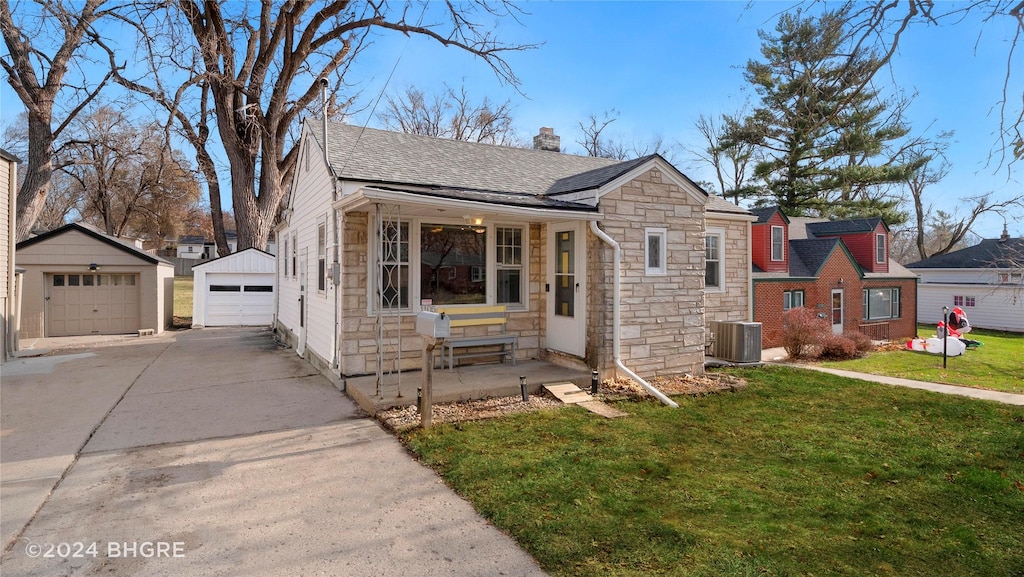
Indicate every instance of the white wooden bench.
{"type": "Point", "coordinates": [477, 316]}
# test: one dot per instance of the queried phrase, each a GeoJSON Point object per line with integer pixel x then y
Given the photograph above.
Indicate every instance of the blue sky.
{"type": "Point", "coordinates": [661, 65]}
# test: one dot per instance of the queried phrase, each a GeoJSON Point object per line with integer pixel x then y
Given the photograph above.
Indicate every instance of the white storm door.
{"type": "Point", "coordinates": [566, 288]}
{"type": "Point", "coordinates": [837, 311]}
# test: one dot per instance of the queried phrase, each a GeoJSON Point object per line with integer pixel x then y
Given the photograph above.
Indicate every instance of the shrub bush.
{"type": "Point", "coordinates": [861, 341]}
{"type": "Point", "coordinates": [838, 348]}
{"type": "Point", "coordinates": [802, 329]}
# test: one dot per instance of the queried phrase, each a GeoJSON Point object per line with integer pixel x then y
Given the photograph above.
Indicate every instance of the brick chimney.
{"type": "Point", "coordinates": [547, 140]}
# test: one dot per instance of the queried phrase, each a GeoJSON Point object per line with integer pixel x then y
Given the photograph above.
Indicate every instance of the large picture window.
{"type": "Point", "coordinates": [509, 256]}
{"type": "Point", "coordinates": [880, 304]}
{"type": "Point", "coordinates": [460, 247]}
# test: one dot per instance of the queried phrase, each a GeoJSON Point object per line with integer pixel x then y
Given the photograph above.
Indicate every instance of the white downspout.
{"type": "Point", "coordinates": [616, 323]}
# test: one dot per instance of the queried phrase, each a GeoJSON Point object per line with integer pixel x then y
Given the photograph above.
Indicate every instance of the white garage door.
{"type": "Point", "coordinates": [239, 299]}
{"type": "Point", "coordinates": [92, 304]}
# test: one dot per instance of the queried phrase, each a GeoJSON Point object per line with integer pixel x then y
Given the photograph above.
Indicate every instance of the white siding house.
{"type": "Point", "coordinates": [986, 280]}
{"type": "Point", "coordinates": [307, 303]}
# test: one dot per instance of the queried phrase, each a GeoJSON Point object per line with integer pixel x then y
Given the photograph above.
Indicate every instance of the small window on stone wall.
{"type": "Point", "coordinates": [655, 256]}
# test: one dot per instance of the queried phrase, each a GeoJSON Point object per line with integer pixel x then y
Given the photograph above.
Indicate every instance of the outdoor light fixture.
{"type": "Point", "coordinates": [94, 267]}
{"type": "Point", "coordinates": [475, 220]}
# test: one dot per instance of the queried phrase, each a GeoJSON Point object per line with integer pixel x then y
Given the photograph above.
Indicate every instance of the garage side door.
{"type": "Point", "coordinates": [239, 299]}
{"type": "Point", "coordinates": [91, 304]}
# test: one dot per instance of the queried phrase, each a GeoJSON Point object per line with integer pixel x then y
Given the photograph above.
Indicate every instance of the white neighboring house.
{"type": "Point", "coordinates": [8, 209]}
{"type": "Point", "coordinates": [200, 248]}
{"type": "Point", "coordinates": [235, 290]}
{"type": "Point", "coordinates": [195, 247]}
{"type": "Point", "coordinates": [986, 280]}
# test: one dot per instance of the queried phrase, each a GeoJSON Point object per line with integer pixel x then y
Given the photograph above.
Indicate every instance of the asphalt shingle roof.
{"type": "Point", "coordinates": [718, 204]}
{"type": "Point", "coordinates": [831, 227]}
{"type": "Point", "coordinates": [764, 213]}
{"type": "Point", "coordinates": [397, 158]}
{"type": "Point", "coordinates": [89, 231]}
{"type": "Point", "coordinates": [806, 257]}
{"type": "Point", "coordinates": [510, 199]}
{"type": "Point", "coordinates": [989, 253]}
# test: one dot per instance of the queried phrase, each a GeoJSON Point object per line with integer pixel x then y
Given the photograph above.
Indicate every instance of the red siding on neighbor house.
{"type": "Point", "coordinates": [862, 247]}
{"type": "Point", "coordinates": [761, 245]}
{"type": "Point", "coordinates": [768, 298]}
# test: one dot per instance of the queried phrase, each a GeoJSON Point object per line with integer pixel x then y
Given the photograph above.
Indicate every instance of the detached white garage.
{"type": "Point", "coordinates": [234, 290]}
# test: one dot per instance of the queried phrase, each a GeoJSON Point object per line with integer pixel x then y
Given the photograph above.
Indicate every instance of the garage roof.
{"type": "Point", "coordinates": [94, 234]}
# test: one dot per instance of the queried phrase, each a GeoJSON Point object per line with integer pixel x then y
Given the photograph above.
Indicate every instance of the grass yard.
{"type": "Point", "coordinates": [183, 299]}
{"type": "Point", "coordinates": [998, 364]}
{"type": "Point", "coordinates": [801, 473]}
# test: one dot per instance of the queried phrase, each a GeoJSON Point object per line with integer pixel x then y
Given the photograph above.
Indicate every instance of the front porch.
{"type": "Point", "coordinates": [468, 382]}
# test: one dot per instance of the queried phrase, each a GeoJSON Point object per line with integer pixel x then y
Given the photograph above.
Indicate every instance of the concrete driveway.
{"type": "Point", "coordinates": [216, 452]}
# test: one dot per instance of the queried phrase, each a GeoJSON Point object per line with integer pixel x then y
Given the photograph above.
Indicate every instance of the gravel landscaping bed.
{"type": "Point", "coordinates": [402, 418]}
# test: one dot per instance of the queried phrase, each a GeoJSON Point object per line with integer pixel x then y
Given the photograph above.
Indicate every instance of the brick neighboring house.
{"type": "Point", "coordinates": [841, 269]}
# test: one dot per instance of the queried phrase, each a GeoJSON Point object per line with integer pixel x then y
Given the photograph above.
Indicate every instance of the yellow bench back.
{"type": "Point", "coordinates": [476, 315]}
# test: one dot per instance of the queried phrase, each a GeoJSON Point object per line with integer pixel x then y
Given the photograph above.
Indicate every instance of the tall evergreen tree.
{"type": "Point", "coordinates": [823, 131]}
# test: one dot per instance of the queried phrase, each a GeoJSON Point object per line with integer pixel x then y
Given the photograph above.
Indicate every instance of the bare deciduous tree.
{"type": "Point", "coordinates": [451, 115]}
{"type": "Point", "coordinates": [882, 24]}
{"type": "Point", "coordinates": [129, 178]}
{"type": "Point", "coordinates": [262, 64]}
{"type": "Point", "coordinates": [40, 79]}
{"type": "Point", "coordinates": [732, 161]}
{"type": "Point", "coordinates": [596, 143]}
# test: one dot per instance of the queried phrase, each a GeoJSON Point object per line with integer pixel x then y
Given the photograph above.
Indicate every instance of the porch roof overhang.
{"type": "Point", "coordinates": [466, 202]}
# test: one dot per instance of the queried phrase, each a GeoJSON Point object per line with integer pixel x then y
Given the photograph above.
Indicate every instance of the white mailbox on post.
{"type": "Point", "coordinates": [434, 328]}
{"type": "Point", "coordinates": [431, 325]}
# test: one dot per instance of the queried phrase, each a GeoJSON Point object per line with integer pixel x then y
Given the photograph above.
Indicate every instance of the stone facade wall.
{"type": "Point", "coordinates": [662, 317]}
{"type": "Point", "coordinates": [732, 304]}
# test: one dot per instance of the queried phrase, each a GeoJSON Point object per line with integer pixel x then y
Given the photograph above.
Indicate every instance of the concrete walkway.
{"type": "Point", "coordinates": [778, 356]}
{"type": "Point", "coordinates": [984, 394]}
{"type": "Point", "coordinates": [229, 453]}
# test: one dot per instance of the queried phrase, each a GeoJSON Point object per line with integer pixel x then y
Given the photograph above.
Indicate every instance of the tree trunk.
{"type": "Point", "coordinates": [38, 171]}
{"type": "Point", "coordinates": [209, 171]}
{"type": "Point", "coordinates": [919, 214]}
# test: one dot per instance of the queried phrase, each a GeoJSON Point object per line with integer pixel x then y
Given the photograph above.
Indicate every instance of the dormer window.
{"type": "Point", "coordinates": [778, 243]}
{"type": "Point", "coordinates": [880, 256]}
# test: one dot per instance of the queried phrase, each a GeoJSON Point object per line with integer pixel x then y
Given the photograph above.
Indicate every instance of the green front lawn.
{"type": "Point", "coordinates": [801, 473]}
{"type": "Point", "coordinates": [183, 298]}
{"type": "Point", "coordinates": [998, 364]}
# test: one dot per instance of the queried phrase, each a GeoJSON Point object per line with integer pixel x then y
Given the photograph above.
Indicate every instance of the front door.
{"type": "Point", "coordinates": [837, 311]}
{"type": "Point", "coordinates": [566, 288]}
